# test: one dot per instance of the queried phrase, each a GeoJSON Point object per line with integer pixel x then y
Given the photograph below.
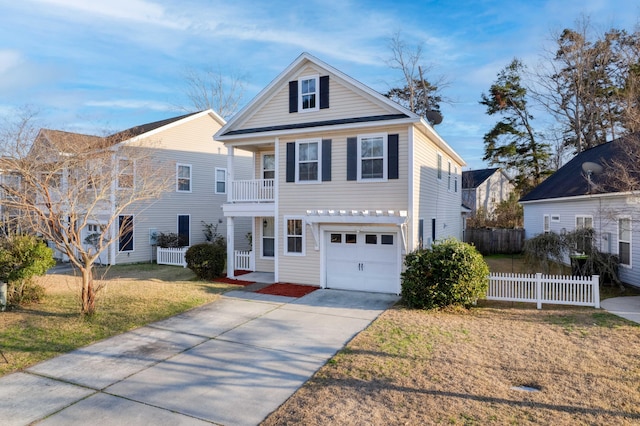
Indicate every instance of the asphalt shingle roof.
{"type": "Point", "coordinates": [570, 180]}
{"type": "Point", "coordinates": [473, 178]}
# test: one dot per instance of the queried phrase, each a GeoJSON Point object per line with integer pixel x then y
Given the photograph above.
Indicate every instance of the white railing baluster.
{"type": "Point", "coordinates": [253, 190]}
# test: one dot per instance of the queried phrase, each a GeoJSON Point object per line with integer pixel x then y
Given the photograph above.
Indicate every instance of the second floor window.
{"type": "Point", "coordinates": [183, 183]}
{"type": "Point", "coordinates": [308, 94]}
{"type": "Point", "coordinates": [439, 166]}
{"type": "Point", "coordinates": [308, 161]}
{"type": "Point", "coordinates": [373, 158]}
{"type": "Point", "coordinates": [221, 181]}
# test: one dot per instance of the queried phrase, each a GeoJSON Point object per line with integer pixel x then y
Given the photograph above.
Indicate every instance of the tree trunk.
{"type": "Point", "coordinates": [88, 292]}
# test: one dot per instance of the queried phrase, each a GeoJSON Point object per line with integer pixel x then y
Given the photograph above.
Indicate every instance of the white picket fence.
{"type": "Point", "coordinates": [171, 256]}
{"type": "Point", "coordinates": [244, 260]}
{"type": "Point", "coordinates": [539, 288]}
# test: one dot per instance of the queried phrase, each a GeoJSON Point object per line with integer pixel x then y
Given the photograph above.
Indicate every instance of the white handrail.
{"type": "Point", "coordinates": [253, 190]}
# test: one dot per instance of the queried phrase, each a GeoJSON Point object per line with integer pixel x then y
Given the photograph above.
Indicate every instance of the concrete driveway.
{"type": "Point", "coordinates": [231, 362]}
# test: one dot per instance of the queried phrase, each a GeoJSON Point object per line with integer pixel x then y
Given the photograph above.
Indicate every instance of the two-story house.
{"type": "Point", "coordinates": [484, 189]}
{"type": "Point", "coordinates": [195, 199]}
{"type": "Point", "coordinates": [345, 183]}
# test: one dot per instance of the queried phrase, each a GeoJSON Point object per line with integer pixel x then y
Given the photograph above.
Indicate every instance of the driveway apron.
{"type": "Point", "coordinates": [231, 362]}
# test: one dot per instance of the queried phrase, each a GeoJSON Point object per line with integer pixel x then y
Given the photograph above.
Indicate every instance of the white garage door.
{"type": "Point", "coordinates": [363, 261]}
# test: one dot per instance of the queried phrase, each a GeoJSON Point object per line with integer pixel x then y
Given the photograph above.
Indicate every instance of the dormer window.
{"type": "Point", "coordinates": [308, 99]}
{"type": "Point", "coordinates": [309, 93]}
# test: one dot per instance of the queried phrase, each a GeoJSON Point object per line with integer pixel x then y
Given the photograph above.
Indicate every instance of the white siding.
{"type": "Point", "coordinates": [605, 212]}
{"type": "Point", "coordinates": [432, 196]}
{"type": "Point", "coordinates": [338, 194]}
{"type": "Point", "coordinates": [343, 103]}
{"type": "Point", "coordinates": [188, 143]}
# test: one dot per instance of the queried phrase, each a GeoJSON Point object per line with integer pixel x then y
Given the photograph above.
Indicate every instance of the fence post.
{"type": "Point", "coordinates": [595, 282]}
{"type": "Point", "coordinates": [539, 290]}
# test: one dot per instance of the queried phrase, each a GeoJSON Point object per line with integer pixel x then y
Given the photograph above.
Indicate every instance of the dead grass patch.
{"type": "Point", "coordinates": [459, 367]}
{"type": "Point", "coordinates": [434, 367]}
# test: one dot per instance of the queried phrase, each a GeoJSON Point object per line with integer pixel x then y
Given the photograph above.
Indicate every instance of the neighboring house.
{"type": "Point", "coordinates": [201, 183]}
{"type": "Point", "coordinates": [485, 189]}
{"type": "Point", "coordinates": [577, 196]}
{"type": "Point", "coordinates": [9, 217]}
{"type": "Point", "coordinates": [346, 181]}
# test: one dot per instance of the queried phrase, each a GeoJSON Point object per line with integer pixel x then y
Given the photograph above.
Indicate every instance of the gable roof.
{"type": "Point", "coordinates": [474, 178]}
{"type": "Point", "coordinates": [571, 181]}
{"type": "Point", "coordinates": [69, 142]}
{"type": "Point", "coordinates": [148, 127]}
{"type": "Point", "coordinates": [397, 113]}
{"type": "Point", "coordinates": [230, 128]}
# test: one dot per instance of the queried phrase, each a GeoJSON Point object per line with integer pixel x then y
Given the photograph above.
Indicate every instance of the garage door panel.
{"type": "Point", "coordinates": [366, 261]}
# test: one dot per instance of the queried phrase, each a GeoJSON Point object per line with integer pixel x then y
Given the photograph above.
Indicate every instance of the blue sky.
{"type": "Point", "coordinates": [91, 66]}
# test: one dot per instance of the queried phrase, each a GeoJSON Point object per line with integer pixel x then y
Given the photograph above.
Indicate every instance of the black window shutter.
{"type": "Point", "coordinates": [326, 160]}
{"type": "Point", "coordinates": [293, 96]}
{"type": "Point", "coordinates": [352, 158]}
{"type": "Point", "coordinates": [291, 161]}
{"type": "Point", "coordinates": [324, 92]}
{"type": "Point", "coordinates": [392, 163]}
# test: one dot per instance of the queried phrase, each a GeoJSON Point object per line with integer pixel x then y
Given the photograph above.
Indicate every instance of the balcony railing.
{"type": "Point", "coordinates": [252, 191]}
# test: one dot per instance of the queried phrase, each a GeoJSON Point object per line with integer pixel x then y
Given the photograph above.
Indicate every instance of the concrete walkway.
{"type": "Point", "coordinates": [625, 307]}
{"type": "Point", "coordinates": [231, 362]}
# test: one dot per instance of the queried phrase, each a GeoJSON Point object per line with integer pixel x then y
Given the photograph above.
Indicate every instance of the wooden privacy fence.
{"type": "Point", "coordinates": [172, 256]}
{"type": "Point", "coordinates": [495, 240]}
{"type": "Point", "coordinates": [539, 288]}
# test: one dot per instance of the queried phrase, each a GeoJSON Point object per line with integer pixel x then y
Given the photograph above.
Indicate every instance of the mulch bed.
{"type": "Point", "coordinates": [226, 280]}
{"type": "Point", "coordinates": [287, 289]}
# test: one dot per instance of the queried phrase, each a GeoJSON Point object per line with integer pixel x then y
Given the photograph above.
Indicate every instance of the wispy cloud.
{"type": "Point", "coordinates": [131, 104]}
{"type": "Point", "coordinates": [133, 11]}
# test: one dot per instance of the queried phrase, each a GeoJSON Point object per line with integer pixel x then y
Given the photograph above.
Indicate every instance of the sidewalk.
{"type": "Point", "coordinates": [231, 362]}
{"type": "Point", "coordinates": [625, 307]}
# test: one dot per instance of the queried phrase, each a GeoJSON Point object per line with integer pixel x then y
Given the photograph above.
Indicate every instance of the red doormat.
{"type": "Point", "coordinates": [239, 272]}
{"type": "Point", "coordinates": [287, 289]}
{"type": "Point", "coordinates": [226, 280]}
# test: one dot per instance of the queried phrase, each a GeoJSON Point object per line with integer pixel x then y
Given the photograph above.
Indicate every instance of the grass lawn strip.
{"type": "Point", "coordinates": [133, 295]}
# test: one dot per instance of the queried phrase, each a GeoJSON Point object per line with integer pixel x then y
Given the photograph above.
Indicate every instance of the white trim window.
{"type": "Point", "coordinates": [268, 165]}
{"type": "Point", "coordinates": [449, 176]}
{"type": "Point", "coordinates": [584, 222]}
{"type": "Point", "coordinates": [308, 160]}
{"type": "Point", "coordinates": [372, 157]}
{"type": "Point", "coordinates": [455, 179]}
{"type": "Point", "coordinates": [221, 180]}
{"type": "Point", "coordinates": [183, 177]}
{"type": "Point", "coordinates": [546, 225]}
{"type": "Point", "coordinates": [439, 166]}
{"type": "Point", "coordinates": [624, 241]}
{"type": "Point", "coordinates": [294, 236]}
{"type": "Point", "coordinates": [308, 93]}
{"type": "Point", "coordinates": [126, 173]}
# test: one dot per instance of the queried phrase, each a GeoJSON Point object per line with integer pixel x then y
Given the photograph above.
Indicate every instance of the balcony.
{"type": "Point", "coordinates": [252, 191]}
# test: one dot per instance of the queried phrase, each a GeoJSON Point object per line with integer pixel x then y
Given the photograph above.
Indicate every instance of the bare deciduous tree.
{"type": "Point", "coordinates": [213, 89]}
{"type": "Point", "coordinates": [416, 93]}
{"type": "Point", "coordinates": [79, 192]}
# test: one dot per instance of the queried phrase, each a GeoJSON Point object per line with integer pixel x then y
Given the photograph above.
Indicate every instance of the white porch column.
{"type": "Point", "coordinates": [230, 247]}
{"type": "Point", "coordinates": [230, 177]}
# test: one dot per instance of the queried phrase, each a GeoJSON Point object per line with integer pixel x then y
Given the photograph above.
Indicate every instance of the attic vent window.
{"type": "Point", "coordinates": [308, 99]}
